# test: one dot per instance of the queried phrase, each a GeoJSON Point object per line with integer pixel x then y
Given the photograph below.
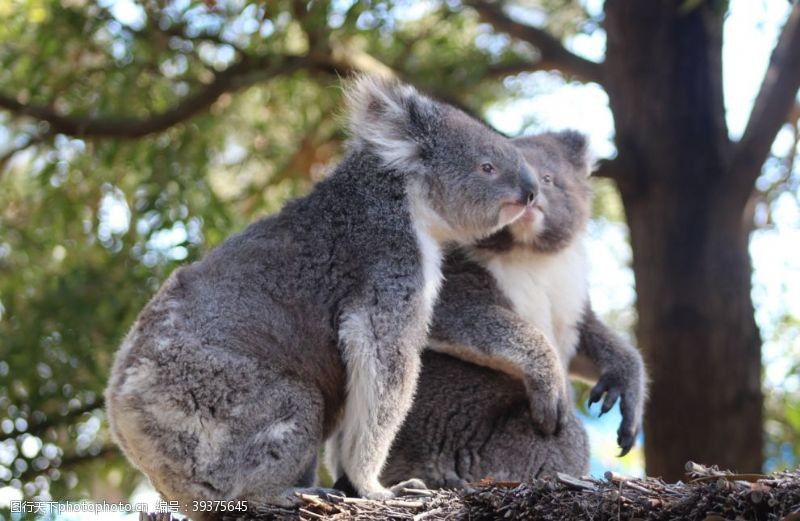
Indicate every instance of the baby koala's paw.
{"type": "Point", "coordinates": [549, 406]}
{"type": "Point", "coordinates": [628, 390]}
{"type": "Point", "coordinates": [546, 386]}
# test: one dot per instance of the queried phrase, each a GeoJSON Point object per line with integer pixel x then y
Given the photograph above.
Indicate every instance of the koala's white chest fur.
{"type": "Point", "coordinates": [428, 226]}
{"type": "Point", "coordinates": [547, 290]}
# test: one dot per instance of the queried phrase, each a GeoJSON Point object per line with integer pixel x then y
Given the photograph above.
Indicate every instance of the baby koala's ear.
{"type": "Point", "coordinates": [391, 118]}
{"type": "Point", "coordinates": [575, 146]}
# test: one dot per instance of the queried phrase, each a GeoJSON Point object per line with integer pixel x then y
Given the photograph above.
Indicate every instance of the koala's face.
{"type": "Point", "coordinates": [476, 179]}
{"type": "Point", "coordinates": [561, 210]}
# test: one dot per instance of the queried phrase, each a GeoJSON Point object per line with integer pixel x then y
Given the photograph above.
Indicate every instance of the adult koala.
{"type": "Point", "coordinates": [311, 322]}
{"type": "Point", "coordinates": [517, 305]}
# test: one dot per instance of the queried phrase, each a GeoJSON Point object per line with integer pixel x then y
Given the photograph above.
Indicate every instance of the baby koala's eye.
{"type": "Point", "coordinates": [487, 168]}
{"type": "Point", "coordinates": [547, 179]}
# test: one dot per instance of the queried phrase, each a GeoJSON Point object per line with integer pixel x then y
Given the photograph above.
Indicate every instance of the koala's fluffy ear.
{"type": "Point", "coordinates": [576, 149]}
{"type": "Point", "coordinates": [391, 118]}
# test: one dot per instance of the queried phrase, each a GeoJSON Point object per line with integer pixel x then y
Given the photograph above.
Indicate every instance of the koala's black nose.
{"type": "Point", "coordinates": [528, 185]}
{"type": "Point", "coordinates": [531, 198]}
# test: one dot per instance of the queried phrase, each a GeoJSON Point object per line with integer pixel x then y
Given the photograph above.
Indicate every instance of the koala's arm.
{"type": "Point", "coordinates": [493, 336]}
{"type": "Point", "coordinates": [617, 366]}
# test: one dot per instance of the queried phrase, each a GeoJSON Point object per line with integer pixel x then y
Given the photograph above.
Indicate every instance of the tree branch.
{"type": "Point", "coordinates": [553, 54]}
{"type": "Point", "coordinates": [244, 72]}
{"type": "Point", "coordinates": [54, 420]}
{"type": "Point", "coordinates": [501, 70]}
{"type": "Point", "coordinates": [332, 59]}
{"type": "Point", "coordinates": [608, 169]}
{"type": "Point", "coordinates": [31, 141]}
{"type": "Point", "coordinates": [772, 106]}
{"type": "Point", "coordinates": [71, 461]}
{"type": "Point", "coordinates": [343, 60]}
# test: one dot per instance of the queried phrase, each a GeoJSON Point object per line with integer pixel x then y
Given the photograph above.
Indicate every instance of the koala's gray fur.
{"type": "Point", "coordinates": [469, 422]}
{"type": "Point", "coordinates": [311, 322]}
{"type": "Point", "coordinates": [518, 303]}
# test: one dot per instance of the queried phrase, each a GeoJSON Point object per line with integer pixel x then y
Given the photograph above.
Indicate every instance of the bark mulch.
{"type": "Point", "coordinates": [709, 494]}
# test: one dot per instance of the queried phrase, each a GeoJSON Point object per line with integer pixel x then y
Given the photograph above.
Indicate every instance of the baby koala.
{"type": "Point", "coordinates": [311, 322]}
{"type": "Point", "coordinates": [517, 304]}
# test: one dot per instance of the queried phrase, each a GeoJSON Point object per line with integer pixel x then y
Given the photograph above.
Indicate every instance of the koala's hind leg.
{"type": "Point", "coordinates": [382, 375]}
{"type": "Point", "coordinates": [206, 424]}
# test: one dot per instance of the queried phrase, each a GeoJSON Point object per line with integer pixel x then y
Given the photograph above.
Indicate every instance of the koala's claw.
{"type": "Point", "coordinates": [626, 435]}
{"type": "Point", "coordinates": [625, 441]}
{"type": "Point", "coordinates": [629, 428]}
{"type": "Point", "coordinates": [611, 398]}
{"type": "Point", "coordinates": [606, 385]}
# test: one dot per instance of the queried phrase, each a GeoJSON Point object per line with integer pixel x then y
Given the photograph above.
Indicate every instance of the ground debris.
{"type": "Point", "coordinates": [708, 495]}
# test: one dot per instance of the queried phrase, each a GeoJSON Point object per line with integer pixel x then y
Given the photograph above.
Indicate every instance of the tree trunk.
{"type": "Point", "coordinates": [696, 325]}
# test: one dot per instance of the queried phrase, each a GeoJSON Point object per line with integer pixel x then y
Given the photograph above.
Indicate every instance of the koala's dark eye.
{"type": "Point", "coordinates": [487, 168]}
{"type": "Point", "coordinates": [547, 179]}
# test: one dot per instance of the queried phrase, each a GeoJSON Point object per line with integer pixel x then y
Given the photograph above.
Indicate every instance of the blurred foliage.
{"type": "Point", "coordinates": [607, 201]}
{"type": "Point", "coordinates": [782, 403]}
{"type": "Point", "coordinates": [90, 226]}
{"type": "Point", "coordinates": [777, 209]}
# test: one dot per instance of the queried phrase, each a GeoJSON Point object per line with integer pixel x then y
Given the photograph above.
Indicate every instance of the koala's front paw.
{"type": "Point", "coordinates": [614, 387]}
{"type": "Point", "coordinates": [549, 405]}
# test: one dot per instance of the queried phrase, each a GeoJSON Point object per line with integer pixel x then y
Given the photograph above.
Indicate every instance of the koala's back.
{"type": "Point", "coordinates": [261, 293]}
{"type": "Point", "coordinates": [276, 288]}
{"type": "Point", "coordinates": [469, 422]}
{"type": "Point", "coordinates": [229, 344]}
